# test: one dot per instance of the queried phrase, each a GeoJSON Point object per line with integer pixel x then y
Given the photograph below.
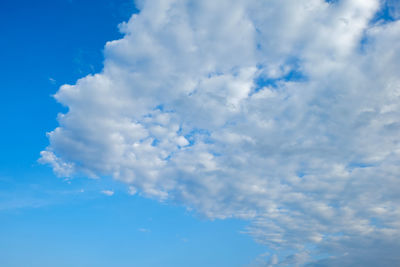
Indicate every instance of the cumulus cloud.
{"type": "Point", "coordinates": [284, 113]}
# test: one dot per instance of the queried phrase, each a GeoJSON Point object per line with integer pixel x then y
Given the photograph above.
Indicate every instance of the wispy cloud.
{"type": "Point", "coordinates": [107, 192]}
{"type": "Point", "coordinates": [51, 80]}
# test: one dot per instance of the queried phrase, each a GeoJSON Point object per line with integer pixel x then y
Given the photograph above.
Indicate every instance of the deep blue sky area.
{"type": "Point", "coordinates": [47, 221]}
{"type": "Point", "coordinates": [44, 45]}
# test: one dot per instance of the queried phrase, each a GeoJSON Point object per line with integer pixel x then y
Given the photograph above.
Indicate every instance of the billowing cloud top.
{"type": "Point", "coordinates": [282, 112]}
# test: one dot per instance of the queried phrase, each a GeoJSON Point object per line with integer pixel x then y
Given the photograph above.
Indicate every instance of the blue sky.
{"type": "Point", "coordinates": [181, 134]}
{"type": "Point", "coordinates": [45, 221]}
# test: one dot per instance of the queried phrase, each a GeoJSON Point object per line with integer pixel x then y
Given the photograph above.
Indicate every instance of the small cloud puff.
{"type": "Point", "coordinates": [132, 190]}
{"type": "Point", "coordinates": [107, 192]}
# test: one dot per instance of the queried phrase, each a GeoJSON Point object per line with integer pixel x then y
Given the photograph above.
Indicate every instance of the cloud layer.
{"type": "Point", "coordinates": [285, 113]}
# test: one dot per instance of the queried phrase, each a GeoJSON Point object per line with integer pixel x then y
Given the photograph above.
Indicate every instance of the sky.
{"type": "Point", "coordinates": [48, 221]}
{"type": "Point", "coordinates": [200, 133]}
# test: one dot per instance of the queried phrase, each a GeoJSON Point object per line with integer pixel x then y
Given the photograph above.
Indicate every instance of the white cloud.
{"type": "Point", "coordinates": [107, 192]}
{"type": "Point", "coordinates": [132, 190]}
{"type": "Point", "coordinates": [285, 113]}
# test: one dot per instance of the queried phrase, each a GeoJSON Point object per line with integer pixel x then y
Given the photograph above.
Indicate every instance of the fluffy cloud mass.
{"type": "Point", "coordinates": [282, 112]}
